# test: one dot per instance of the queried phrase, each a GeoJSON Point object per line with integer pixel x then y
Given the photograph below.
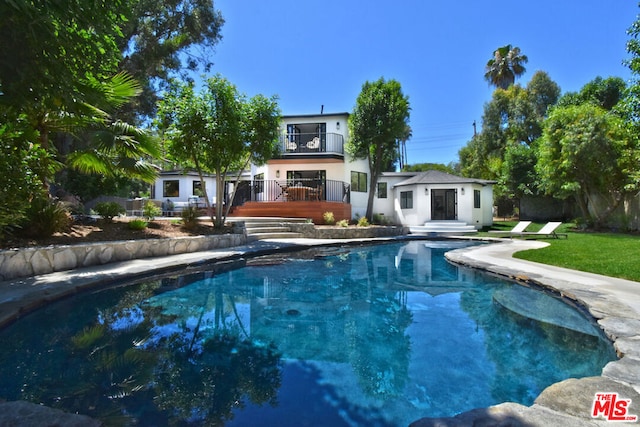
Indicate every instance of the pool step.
{"type": "Point", "coordinates": [443, 228]}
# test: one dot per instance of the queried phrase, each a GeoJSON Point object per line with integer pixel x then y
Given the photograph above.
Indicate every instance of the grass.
{"type": "Point", "coordinates": [610, 254]}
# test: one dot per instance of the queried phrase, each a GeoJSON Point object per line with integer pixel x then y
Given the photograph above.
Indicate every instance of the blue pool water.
{"type": "Point", "coordinates": [377, 335]}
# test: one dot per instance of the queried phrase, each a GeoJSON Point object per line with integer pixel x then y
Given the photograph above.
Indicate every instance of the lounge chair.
{"type": "Point", "coordinates": [518, 228]}
{"type": "Point", "coordinates": [314, 144]}
{"type": "Point", "coordinates": [548, 231]}
{"type": "Point", "coordinates": [291, 146]}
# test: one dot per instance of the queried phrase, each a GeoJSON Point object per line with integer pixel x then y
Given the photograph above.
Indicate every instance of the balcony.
{"type": "Point", "coordinates": [312, 144]}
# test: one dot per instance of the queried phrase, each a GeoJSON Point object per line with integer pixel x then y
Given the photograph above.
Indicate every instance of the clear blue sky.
{"type": "Point", "coordinates": [311, 53]}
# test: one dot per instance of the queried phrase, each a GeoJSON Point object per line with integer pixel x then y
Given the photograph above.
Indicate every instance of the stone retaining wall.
{"type": "Point", "coordinates": [35, 261]}
{"type": "Point", "coordinates": [28, 262]}
{"type": "Point", "coordinates": [312, 231]}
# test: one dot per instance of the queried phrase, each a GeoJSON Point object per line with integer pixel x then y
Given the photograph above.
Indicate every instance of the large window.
{"type": "Point", "coordinates": [382, 190]}
{"type": "Point", "coordinates": [171, 188]}
{"type": "Point", "coordinates": [359, 181]}
{"type": "Point", "coordinates": [197, 189]}
{"type": "Point", "coordinates": [476, 199]}
{"type": "Point", "coordinates": [406, 199]}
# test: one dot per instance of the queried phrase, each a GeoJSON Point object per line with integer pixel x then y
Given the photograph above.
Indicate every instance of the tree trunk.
{"type": "Point", "coordinates": [219, 220]}
{"type": "Point", "coordinates": [375, 165]}
{"type": "Point", "coordinates": [372, 182]}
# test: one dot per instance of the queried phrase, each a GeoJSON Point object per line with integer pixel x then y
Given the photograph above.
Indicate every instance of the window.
{"type": "Point", "coordinates": [382, 190]}
{"type": "Point", "coordinates": [197, 188]}
{"type": "Point", "coordinates": [476, 199]}
{"type": "Point", "coordinates": [171, 188]}
{"type": "Point", "coordinates": [359, 181]}
{"type": "Point", "coordinates": [406, 199]}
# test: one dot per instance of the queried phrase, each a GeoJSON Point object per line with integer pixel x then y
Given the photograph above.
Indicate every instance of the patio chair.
{"type": "Point", "coordinates": [518, 228]}
{"type": "Point", "coordinates": [291, 146]}
{"type": "Point", "coordinates": [548, 231]}
{"type": "Point", "coordinates": [314, 144]}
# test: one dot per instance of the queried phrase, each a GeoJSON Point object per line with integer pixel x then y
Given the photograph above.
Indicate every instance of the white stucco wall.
{"type": "Point", "coordinates": [421, 211]}
{"type": "Point", "coordinates": [335, 123]}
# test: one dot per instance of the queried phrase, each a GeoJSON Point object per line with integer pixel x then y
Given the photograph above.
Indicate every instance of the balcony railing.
{"type": "Point", "coordinates": [310, 143]}
{"type": "Point", "coordinates": [300, 190]}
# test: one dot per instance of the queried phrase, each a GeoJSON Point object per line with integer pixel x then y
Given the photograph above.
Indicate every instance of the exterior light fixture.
{"type": "Point", "coordinates": [462, 191]}
{"type": "Point", "coordinates": [338, 125]}
{"type": "Point", "coordinates": [278, 173]}
{"type": "Point", "coordinates": [426, 191]}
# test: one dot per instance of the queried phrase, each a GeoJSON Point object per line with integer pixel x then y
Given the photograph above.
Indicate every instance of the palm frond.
{"type": "Point", "coordinates": [121, 88]}
{"type": "Point", "coordinates": [118, 149]}
{"type": "Point", "coordinates": [90, 162]}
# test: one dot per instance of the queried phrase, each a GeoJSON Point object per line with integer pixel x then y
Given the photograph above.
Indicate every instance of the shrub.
{"type": "Point", "coordinates": [363, 222]}
{"type": "Point", "coordinates": [190, 217]}
{"type": "Point", "coordinates": [380, 219]}
{"type": "Point", "coordinates": [137, 224]}
{"type": "Point", "coordinates": [151, 210]}
{"type": "Point", "coordinates": [45, 217]}
{"type": "Point", "coordinates": [343, 223]}
{"type": "Point", "coordinates": [109, 210]}
{"type": "Point", "coordinates": [328, 218]}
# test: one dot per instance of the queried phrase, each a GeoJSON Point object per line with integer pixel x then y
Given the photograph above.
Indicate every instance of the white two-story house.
{"type": "Point", "coordinates": [313, 174]}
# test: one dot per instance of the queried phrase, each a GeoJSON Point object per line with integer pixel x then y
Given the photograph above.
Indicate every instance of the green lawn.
{"type": "Point", "coordinates": [611, 254]}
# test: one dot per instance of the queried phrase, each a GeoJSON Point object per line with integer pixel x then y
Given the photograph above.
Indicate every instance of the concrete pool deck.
{"type": "Point", "coordinates": [614, 303]}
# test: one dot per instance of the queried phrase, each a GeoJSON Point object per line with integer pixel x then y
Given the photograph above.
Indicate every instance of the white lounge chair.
{"type": "Point", "coordinates": [314, 144]}
{"type": "Point", "coordinates": [291, 146]}
{"type": "Point", "coordinates": [548, 231]}
{"type": "Point", "coordinates": [518, 228]}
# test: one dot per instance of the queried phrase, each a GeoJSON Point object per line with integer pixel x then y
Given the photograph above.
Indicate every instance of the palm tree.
{"type": "Point", "coordinates": [507, 64]}
{"type": "Point", "coordinates": [111, 147]}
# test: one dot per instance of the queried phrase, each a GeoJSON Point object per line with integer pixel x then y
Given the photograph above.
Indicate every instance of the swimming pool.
{"type": "Point", "coordinates": [374, 335]}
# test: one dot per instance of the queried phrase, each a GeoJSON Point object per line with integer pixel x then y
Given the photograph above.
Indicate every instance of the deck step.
{"type": "Point", "coordinates": [267, 229]}
{"type": "Point", "coordinates": [270, 228]}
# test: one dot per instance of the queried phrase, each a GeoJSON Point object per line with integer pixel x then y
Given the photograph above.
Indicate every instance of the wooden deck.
{"type": "Point", "coordinates": [294, 209]}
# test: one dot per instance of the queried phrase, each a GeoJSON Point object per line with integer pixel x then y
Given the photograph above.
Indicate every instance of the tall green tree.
{"type": "Point", "coordinates": [511, 123]}
{"type": "Point", "coordinates": [505, 66]}
{"type": "Point", "coordinates": [58, 60]}
{"type": "Point", "coordinates": [218, 131]}
{"type": "Point", "coordinates": [165, 39]}
{"type": "Point", "coordinates": [631, 103]}
{"type": "Point", "coordinates": [50, 49]}
{"type": "Point", "coordinates": [605, 93]}
{"type": "Point", "coordinates": [260, 127]}
{"type": "Point", "coordinates": [379, 120]}
{"type": "Point", "coordinates": [589, 154]}
{"type": "Point", "coordinates": [59, 83]}
{"type": "Point", "coordinates": [423, 167]}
